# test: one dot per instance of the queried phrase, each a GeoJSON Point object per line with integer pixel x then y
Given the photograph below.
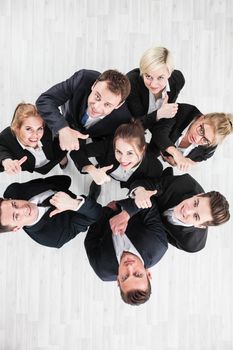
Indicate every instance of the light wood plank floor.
{"type": "Point", "coordinates": [51, 299]}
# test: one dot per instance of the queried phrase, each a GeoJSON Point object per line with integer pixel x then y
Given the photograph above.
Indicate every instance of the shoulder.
{"type": "Point", "coordinates": [177, 77]}
{"type": "Point", "coordinates": [134, 75]}
{"type": "Point", "coordinates": [6, 133]}
{"type": "Point", "coordinates": [87, 74]}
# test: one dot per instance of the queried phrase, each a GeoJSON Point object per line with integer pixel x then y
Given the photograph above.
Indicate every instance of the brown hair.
{"type": "Point", "coordinates": [23, 111]}
{"type": "Point", "coordinates": [132, 131]}
{"type": "Point", "coordinates": [117, 82]}
{"type": "Point", "coordinates": [222, 124]}
{"type": "Point", "coordinates": [138, 296]}
{"type": "Point", "coordinates": [219, 208]}
{"type": "Point", "coordinates": [3, 228]}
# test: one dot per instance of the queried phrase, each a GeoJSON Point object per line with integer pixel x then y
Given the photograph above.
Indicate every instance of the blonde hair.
{"type": "Point", "coordinates": [155, 58]}
{"type": "Point", "coordinates": [222, 124]}
{"type": "Point", "coordinates": [23, 111]}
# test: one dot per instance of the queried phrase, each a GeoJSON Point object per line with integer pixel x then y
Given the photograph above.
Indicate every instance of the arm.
{"type": "Point", "coordinates": [49, 101]}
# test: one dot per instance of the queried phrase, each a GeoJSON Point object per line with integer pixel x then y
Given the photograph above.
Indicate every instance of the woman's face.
{"type": "Point", "coordinates": [127, 154]}
{"type": "Point", "coordinates": [156, 80]}
{"type": "Point", "coordinates": [31, 131]}
{"type": "Point", "coordinates": [201, 133]}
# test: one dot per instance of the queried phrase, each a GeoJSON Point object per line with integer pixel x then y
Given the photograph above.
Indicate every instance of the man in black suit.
{"type": "Point", "coordinates": [126, 255]}
{"type": "Point", "coordinates": [86, 99]}
{"type": "Point", "coordinates": [57, 221]}
{"type": "Point", "coordinates": [185, 209]}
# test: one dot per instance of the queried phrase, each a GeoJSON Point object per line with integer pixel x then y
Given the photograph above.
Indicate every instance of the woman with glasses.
{"type": "Point", "coordinates": [155, 87]}
{"type": "Point", "coordinates": [190, 136]}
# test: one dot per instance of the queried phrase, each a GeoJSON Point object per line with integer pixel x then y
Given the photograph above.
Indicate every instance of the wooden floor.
{"type": "Point", "coordinates": [51, 299]}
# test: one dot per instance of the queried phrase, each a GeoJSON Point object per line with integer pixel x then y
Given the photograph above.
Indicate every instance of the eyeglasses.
{"type": "Point", "coordinates": [201, 132]}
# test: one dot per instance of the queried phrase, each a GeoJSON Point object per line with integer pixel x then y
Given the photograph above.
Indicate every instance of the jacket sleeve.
{"type": "Point", "coordinates": [94, 149]}
{"type": "Point", "coordinates": [49, 101]}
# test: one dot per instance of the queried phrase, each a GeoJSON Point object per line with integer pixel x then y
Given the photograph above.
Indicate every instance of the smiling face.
{"type": "Point", "coordinates": [132, 274]}
{"type": "Point", "coordinates": [31, 131]}
{"type": "Point", "coordinates": [101, 100]}
{"type": "Point", "coordinates": [201, 133]}
{"type": "Point", "coordinates": [156, 80]}
{"type": "Point", "coordinates": [18, 213]}
{"type": "Point", "coordinates": [127, 154]}
{"type": "Point", "coordinates": [194, 211]}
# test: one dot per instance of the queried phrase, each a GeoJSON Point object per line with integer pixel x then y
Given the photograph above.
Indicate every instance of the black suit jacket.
{"type": "Point", "coordinates": [74, 92]}
{"type": "Point", "coordinates": [174, 190]}
{"type": "Point", "coordinates": [138, 100]}
{"type": "Point", "coordinates": [10, 148]}
{"type": "Point", "coordinates": [150, 166]}
{"type": "Point", "coordinates": [167, 131]}
{"type": "Point", "coordinates": [61, 228]}
{"type": "Point", "coordinates": [145, 230]}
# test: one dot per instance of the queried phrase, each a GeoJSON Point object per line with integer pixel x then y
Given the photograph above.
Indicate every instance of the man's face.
{"type": "Point", "coordinates": [194, 211]}
{"type": "Point", "coordinates": [132, 273]}
{"type": "Point", "coordinates": [101, 100]}
{"type": "Point", "coordinates": [18, 213]}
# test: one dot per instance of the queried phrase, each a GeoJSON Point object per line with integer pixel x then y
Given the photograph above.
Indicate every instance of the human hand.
{"type": "Point", "coordinates": [142, 197]}
{"type": "Point", "coordinates": [119, 223]}
{"type": "Point", "coordinates": [99, 174]}
{"type": "Point", "coordinates": [68, 139]}
{"type": "Point", "coordinates": [112, 205]}
{"type": "Point", "coordinates": [167, 110]}
{"type": "Point", "coordinates": [168, 159]}
{"type": "Point", "coordinates": [183, 163]}
{"type": "Point", "coordinates": [62, 201]}
{"type": "Point", "coordinates": [13, 167]}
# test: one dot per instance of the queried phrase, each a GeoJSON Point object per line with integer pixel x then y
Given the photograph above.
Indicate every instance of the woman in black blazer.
{"type": "Point", "coordinates": [28, 145]}
{"type": "Point", "coordinates": [124, 158]}
{"type": "Point", "coordinates": [190, 136]}
{"type": "Point", "coordinates": [155, 87]}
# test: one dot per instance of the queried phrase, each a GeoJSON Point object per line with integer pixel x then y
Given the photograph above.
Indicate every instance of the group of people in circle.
{"type": "Point", "coordinates": [106, 116]}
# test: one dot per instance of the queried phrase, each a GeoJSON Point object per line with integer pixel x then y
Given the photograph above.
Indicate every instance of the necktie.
{"type": "Point", "coordinates": [46, 202]}
{"type": "Point", "coordinates": [84, 118]}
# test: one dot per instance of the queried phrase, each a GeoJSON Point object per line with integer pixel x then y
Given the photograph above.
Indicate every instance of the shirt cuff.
{"type": "Point", "coordinates": [81, 202]}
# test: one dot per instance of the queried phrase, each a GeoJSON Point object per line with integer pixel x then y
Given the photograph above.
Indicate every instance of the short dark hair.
{"type": "Point", "coordinates": [137, 296]}
{"type": "Point", "coordinates": [3, 228]}
{"type": "Point", "coordinates": [219, 207]}
{"type": "Point", "coordinates": [117, 82]}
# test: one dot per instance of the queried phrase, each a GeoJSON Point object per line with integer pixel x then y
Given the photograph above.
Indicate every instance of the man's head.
{"type": "Point", "coordinates": [202, 210]}
{"type": "Point", "coordinates": [14, 214]}
{"type": "Point", "coordinates": [107, 93]}
{"type": "Point", "coordinates": [133, 280]}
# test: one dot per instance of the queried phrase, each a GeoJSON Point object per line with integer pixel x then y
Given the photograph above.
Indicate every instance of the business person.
{"type": "Point", "coordinates": [126, 255]}
{"type": "Point", "coordinates": [28, 145]}
{"type": "Point", "coordinates": [190, 136]}
{"type": "Point", "coordinates": [155, 86]}
{"type": "Point", "coordinates": [125, 158]}
{"type": "Point", "coordinates": [92, 104]}
{"type": "Point", "coordinates": [50, 222]}
{"type": "Point", "coordinates": [186, 210]}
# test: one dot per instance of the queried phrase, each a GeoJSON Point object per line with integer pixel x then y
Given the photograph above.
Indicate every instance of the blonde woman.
{"type": "Point", "coordinates": [155, 87]}
{"type": "Point", "coordinates": [28, 144]}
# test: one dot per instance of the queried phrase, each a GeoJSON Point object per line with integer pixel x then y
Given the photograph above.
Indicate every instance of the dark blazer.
{"type": "Point", "coordinates": [167, 131]}
{"type": "Point", "coordinates": [61, 228]}
{"type": "Point", "coordinates": [150, 166]}
{"type": "Point", "coordinates": [174, 190]}
{"type": "Point", "coordinates": [10, 148]}
{"type": "Point", "coordinates": [138, 100]}
{"type": "Point", "coordinates": [74, 92]}
{"type": "Point", "coordinates": [145, 230]}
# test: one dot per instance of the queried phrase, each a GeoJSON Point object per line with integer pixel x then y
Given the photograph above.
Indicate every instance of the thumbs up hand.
{"type": "Point", "coordinates": [13, 167]}
{"type": "Point", "coordinates": [167, 110]}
